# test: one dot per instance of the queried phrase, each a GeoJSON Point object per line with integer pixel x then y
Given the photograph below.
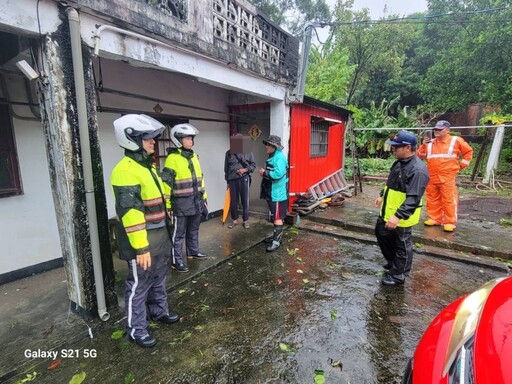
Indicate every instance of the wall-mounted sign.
{"type": "Point", "coordinates": [254, 132]}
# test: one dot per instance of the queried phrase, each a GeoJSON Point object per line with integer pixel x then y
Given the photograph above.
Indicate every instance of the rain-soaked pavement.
{"type": "Point", "coordinates": [315, 304]}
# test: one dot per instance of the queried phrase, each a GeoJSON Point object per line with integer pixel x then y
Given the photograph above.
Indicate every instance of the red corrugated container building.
{"type": "Point", "coordinates": [317, 141]}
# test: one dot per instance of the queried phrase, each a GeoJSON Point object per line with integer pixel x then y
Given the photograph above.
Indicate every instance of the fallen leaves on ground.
{"type": "Point", "coordinates": [54, 364]}
{"type": "Point", "coordinates": [319, 376]}
{"type": "Point", "coordinates": [116, 335]}
{"type": "Point", "coordinates": [78, 378]}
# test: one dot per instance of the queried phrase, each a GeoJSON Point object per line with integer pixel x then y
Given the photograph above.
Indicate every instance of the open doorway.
{"type": "Point", "coordinates": [253, 120]}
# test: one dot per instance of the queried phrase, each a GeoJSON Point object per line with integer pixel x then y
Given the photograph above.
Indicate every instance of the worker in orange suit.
{"type": "Point", "coordinates": [446, 155]}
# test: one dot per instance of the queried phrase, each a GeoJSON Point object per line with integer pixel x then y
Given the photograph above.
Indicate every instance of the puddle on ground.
{"type": "Point", "coordinates": [315, 304]}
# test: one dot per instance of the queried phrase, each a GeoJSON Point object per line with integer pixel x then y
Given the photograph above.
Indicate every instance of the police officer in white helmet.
{"type": "Point", "coordinates": [143, 238]}
{"type": "Point", "coordinates": [184, 181]}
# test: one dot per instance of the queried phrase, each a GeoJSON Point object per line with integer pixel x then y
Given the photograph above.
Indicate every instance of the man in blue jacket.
{"type": "Point", "coordinates": [274, 187]}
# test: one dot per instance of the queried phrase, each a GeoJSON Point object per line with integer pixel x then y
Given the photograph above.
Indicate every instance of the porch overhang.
{"type": "Point", "coordinates": [328, 120]}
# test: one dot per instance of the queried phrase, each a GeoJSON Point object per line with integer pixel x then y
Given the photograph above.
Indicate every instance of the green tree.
{"type": "Point", "coordinates": [294, 14]}
{"type": "Point", "coordinates": [403, 84]}
{"type": "Point", "coordinates": [328, 74]}
{"type": "Point", "coordinates": [370, 141]}
{"type": "Point", "coordinates": [376, 50]}
{"type": "Point", "coordinates": [470, 55]}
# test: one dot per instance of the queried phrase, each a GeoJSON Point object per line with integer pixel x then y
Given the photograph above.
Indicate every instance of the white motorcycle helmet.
{"type": "Point", "coordinates": [131, 129]}
{"type": "Point", "coordinates": [180, 131]}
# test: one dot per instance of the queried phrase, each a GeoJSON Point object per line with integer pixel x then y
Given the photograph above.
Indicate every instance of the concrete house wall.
{"type": "Point", "coordinates": [189, 60]}
{"type": "Point", "coordinates": [210, 144]}
{"type": "Point", "coordinates": [28, 225]}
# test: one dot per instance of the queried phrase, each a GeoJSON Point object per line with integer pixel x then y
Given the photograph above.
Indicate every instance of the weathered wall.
{"type": "Point", "coordinates": [231, 32]}
{"type": "Point", "coordinates": [60, 124]}
{"type": "Point", "coordinates": [29, 16]}
{"type": "Point", "coordinates": [28, 225]}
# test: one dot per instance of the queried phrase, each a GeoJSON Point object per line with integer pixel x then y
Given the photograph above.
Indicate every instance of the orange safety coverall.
{"type": "Point", "coordinates": [443, 163]}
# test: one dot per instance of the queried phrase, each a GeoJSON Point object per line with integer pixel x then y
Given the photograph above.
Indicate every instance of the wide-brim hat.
{"type": "Point", "coordinates": [273, 140]}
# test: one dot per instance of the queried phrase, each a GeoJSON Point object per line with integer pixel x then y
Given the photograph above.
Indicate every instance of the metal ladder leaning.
{"type": "Point", "coordinates": [329, 186]}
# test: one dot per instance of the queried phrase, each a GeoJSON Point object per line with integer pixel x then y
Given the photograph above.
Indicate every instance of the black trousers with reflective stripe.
{"type": "Point", "coordinates": [396, 247]}
{"type": "Point", "coordinates": [186, 229]}
{"type": "Point", "coordinates": [145, 291]}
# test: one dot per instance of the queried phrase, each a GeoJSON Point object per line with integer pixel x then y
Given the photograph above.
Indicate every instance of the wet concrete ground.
{"type": "Point", "coordinates": [241, 303]}
{"type": "Point", "coordinates": [315, 304]}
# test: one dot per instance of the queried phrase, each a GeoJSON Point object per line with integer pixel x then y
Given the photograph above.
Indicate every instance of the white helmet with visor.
{"type": "Point", "coordinates": [131, 129]}
{"type": "Point", "coordinates": [180, 131]}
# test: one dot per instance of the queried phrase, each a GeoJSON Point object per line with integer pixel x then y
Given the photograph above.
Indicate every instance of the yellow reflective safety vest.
{"type": "Point", "coordinates": [392, 200]}
{"type": "Point", "coordinates": [402, 195]}
{"type": "Point", "coordinates": [184, 182]}
{"type": "Point", "coordinates": [139, 204]}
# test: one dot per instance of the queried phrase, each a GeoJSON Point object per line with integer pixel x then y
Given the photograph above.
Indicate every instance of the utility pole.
{"type": "Point", "coordinates": [298, 91]}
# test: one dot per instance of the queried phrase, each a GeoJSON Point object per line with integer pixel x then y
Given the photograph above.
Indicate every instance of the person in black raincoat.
{"type": "Point", "coordinates": [400, 207]}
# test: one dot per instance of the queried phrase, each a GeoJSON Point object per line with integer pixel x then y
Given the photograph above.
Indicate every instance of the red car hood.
{"type": "Point", "coordinates": [492, 342]}
{"type": "Point", "coordinates": [493, 337]}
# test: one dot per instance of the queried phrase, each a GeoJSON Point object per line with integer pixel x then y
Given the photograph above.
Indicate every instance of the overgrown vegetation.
{"type": "Point", "coordinates": [395, 73]}
{"type": "Point", "coordinates": [375, 125]}
{"type": "Point", "coordinates": [369, 166]}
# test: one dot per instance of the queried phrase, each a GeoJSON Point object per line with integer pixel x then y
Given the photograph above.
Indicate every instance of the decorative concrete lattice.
{"type": "Point", "coordinates": [176, 8]}
{"type": "Point", "coordinates": [234, 24]}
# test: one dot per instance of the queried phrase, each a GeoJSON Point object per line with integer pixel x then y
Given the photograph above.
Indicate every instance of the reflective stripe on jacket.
{"type": "Point", "coordinates": [184, 182]}
{"type": "Point", "coordinates": [139, 204]}
{"type": "Point", "coordinates": [443, 157]}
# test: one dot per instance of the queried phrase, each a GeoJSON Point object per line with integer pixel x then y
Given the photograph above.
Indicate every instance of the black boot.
{"type": "Point", "coordinates": [276, 240]}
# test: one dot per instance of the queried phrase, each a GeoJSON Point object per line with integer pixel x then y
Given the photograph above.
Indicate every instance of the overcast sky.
{"type": "Point", "coordinates": [377, 7]}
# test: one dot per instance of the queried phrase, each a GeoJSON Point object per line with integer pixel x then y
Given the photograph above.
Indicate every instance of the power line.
{"type": "Point", "coordinates": [423, 19]}
{"type": "Point", "coordinates": [429, 128]}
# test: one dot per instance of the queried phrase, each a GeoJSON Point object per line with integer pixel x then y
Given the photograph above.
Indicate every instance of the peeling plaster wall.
{"type": "Point", "coordinates": [196, 34]}
{"type": "Point", "coordinates": [60, 122]}
{"type": "Point", "coordinates": [63, 158]}
{"type": "Point", "coordinates": [20, 16]}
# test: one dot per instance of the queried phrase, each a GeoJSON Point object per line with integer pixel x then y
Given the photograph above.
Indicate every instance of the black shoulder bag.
{"type": "Point", "coordinates": [243, 163]}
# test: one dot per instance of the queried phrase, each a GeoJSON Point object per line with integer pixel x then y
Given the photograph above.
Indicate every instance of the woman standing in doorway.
{"type": "Point", "coordinates": [238, 167]}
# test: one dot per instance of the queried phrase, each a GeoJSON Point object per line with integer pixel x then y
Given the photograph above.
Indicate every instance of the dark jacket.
{"type": "Point", "coordinates": [409, 176]}
{"type": "Point", "coordinates": [234, 162]}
